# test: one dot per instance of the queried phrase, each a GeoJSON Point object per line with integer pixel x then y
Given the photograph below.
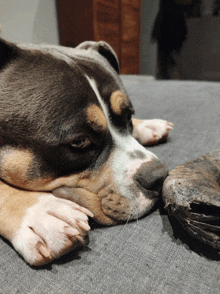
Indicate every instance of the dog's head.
{"type": "Point", "coordinates": [65, 127]}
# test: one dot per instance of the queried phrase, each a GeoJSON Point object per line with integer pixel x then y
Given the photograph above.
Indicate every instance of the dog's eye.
{"type": "Point", "coordinates": [81, 142]}
{"type": "Point", "coordinates": [130, 124]}
{"type": "Point", "coordinates": [129, 117]}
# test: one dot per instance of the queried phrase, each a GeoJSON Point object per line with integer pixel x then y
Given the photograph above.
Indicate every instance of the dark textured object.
{"type": "Point", "coordinates": [191, 194]}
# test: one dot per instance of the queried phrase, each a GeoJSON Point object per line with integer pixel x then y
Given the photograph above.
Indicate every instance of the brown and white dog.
{"type": "Point", "coordinates": [67, 150]}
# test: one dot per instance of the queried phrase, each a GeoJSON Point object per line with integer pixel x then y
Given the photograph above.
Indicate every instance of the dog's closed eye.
{"type": "Point", "coordinates": [81, 142]}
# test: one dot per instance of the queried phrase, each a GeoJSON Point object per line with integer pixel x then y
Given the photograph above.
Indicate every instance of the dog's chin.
{"type": "Point", "coordinates": [113, 208]}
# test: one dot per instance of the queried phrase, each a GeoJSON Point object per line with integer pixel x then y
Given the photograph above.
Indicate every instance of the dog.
{"type": "Point", "coordinates": [69, 148]}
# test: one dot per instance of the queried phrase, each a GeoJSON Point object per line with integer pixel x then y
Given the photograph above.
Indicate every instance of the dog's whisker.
{"type": "Point", "coordinates": [125, 224]}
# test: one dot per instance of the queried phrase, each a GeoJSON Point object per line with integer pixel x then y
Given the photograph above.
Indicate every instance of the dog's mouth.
{"type": "Point", "coordinates": [108, 206]}
{"type": "Point", "coordinates": [126, 194]}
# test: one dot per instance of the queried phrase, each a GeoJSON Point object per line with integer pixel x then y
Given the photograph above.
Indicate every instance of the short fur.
{"type": "Point", "coordinates": [66, 148]}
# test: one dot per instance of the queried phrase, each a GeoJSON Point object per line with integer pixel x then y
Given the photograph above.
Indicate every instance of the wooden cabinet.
{"type": "Point", "coordinates": [114, 21]}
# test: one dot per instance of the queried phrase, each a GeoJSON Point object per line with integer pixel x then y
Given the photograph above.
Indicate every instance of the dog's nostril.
{"type": "Point", "coordinates": [152, 175]}
{"type": "Point", "coordinates": [156, 184]}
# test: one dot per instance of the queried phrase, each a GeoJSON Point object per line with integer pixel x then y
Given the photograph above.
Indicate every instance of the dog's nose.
{"type": "Point", "coordinates": [151, 175]}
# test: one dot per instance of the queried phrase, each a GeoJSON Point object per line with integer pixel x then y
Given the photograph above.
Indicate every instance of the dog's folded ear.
{"type": "Point", "coordinates": [103, 49]}
{"type": "Point", "coordinates": [8, 51]}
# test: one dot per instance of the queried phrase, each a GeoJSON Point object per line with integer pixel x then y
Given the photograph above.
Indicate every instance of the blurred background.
{"type": "Point", "coordinates": [165, 39]}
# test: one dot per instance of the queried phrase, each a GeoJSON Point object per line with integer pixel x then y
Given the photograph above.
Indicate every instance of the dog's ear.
{"type": "Point", "coordinates": [104, 49]}
{"type": "Point", "coordinates": [8, 51]}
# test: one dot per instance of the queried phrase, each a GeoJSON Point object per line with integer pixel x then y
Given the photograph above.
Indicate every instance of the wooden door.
{"type": "Point", "coordinates": [114, 21]}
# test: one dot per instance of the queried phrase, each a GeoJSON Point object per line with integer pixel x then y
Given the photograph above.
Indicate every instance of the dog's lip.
{"type": "Point", "coordinates": [66, 193]}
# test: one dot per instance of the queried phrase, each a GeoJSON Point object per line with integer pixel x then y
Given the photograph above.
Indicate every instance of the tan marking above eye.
{"type": "Point", "coordinates": [118, 102]}
{"type": "Point", "coordinates": [96, 117]}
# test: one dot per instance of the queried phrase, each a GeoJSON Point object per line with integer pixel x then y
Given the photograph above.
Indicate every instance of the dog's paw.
{"type": "Point", "coordinates": [51, 228]}
{"type": "Point", "coordinates": [149, 132]}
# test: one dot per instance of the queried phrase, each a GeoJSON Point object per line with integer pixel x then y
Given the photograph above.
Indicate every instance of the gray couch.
{"type": "Point", "coordinates": [152, 254]}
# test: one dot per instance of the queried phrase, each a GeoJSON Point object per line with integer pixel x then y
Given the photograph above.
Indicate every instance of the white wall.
{"type": "Point", "coordinates": [29, 21]}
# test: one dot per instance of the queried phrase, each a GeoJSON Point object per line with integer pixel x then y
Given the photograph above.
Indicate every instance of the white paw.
{"type": "Point", "coordinates": [149, 132]}
{"type": "Point", "coordinates": [51, 228]}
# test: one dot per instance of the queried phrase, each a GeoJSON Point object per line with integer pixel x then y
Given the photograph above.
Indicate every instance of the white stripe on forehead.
{"type": "Point", "coordinates": [95, 89]}
{"type": "Point", "coordinates": [127, 143]}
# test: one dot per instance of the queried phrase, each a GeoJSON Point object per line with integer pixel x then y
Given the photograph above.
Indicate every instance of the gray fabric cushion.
{"type": "Point", "coordinates": [143, 256]}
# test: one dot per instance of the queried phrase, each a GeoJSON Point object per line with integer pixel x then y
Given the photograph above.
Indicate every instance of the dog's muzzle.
{"type": "Point", "coordinates": [112, 203]}
{"type": "Point", "coordinates": [139, 195]}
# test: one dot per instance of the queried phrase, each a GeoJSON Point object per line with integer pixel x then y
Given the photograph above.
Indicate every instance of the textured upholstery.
{"type": "Point", "coordinates": [153, 254]}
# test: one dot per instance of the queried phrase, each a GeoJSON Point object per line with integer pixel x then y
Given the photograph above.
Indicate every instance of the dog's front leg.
{"type": "Point", "coordinates": [40, 226]}
{"type": "Point", "coordinates": [149, 132]}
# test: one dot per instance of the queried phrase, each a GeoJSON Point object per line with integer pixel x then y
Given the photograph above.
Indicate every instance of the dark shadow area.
{"type": "Point", "coordinates": [178, 24]}
{"type": "Point", "coordinates": [178, 233]}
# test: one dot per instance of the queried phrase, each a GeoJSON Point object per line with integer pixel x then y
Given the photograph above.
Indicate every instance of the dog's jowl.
{"type": "Point", "coordinates": [69, 148]}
